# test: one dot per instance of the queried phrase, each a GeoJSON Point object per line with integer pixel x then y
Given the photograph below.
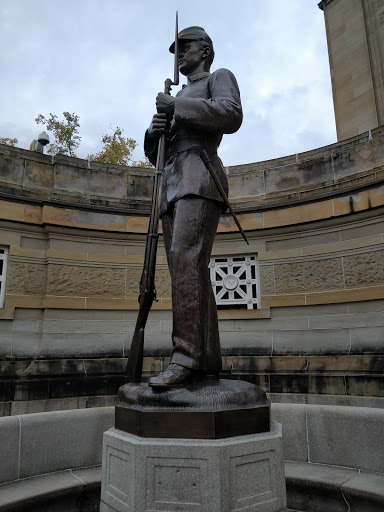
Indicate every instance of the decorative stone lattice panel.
{"type": "Point", "coordinates": [3, 271]}
{"type": "Point", "coordinates": [235, 281]}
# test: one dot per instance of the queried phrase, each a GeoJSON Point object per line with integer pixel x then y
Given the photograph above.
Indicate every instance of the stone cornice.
{"type": "Point", "coordinates": [346, 167]}
{"type": "Point", "coordinates": [329, 192]}
{"type": "Point", "coordinates": [324, 3]}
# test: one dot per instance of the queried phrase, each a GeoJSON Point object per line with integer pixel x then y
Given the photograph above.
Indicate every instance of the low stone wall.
{"type": "Point", "coordinates": [318, 440]}
{"type": "Point", "coordinates": [36, 444]}
{"type": "Point", "coordinates": [51, 461]}
{"type": "Point", "coordinates": [42, 443]}
{"type": "Point", "coordinates": [334, 457]}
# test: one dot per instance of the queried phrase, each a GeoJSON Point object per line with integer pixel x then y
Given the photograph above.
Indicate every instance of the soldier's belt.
{"type": "Point", "coordinates": [184, 145]}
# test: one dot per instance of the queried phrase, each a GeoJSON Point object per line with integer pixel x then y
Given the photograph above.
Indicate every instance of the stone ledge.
{"type": "Point", "coordinates": [71, 490]}
{"type": "Point", "coordinates": [16, 408]}
{"type": "Point", "coordinates": [308, 485]}
{"type": "Point", "coordinates": [310, 170]}
{"type": "Point", "coordinates": [47, 384]}
{"type": "Point", "coordinates": [235, 361]}
{"type": "Point", "coordinates": [332, 488]}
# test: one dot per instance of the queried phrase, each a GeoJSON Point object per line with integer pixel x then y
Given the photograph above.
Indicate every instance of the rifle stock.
{"type": "Point", "coordinates": [135, 359]}
{"type": "Point", "coordinates": [147, 282]}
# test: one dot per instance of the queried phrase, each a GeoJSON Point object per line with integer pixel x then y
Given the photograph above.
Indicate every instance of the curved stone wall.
{"type": "Point", "coordinates": [55, 458]}
{"type": "Point", "coordinates": [76, 234]}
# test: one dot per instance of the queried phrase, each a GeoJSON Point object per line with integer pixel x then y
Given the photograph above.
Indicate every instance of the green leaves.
{"type": "Point", "coordinates": [8, 141]}
{"type": "Point", "coordinates": [116, 150]}
{"type": "Point", "coordinates": [66, 133]}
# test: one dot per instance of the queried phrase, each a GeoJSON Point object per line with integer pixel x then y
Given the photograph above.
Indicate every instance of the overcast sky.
{"type": "Point", "coordinates": [106, 60]}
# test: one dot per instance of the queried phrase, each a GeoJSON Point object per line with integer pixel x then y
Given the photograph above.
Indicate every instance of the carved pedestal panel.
{"type": "Point", "coordinates": [193, 475]}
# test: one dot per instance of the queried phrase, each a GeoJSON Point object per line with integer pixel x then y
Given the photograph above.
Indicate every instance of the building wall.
{"type": "Point", "coordinates": [76, 236]}
{"type": "Point", "coordinates": [355, 34]}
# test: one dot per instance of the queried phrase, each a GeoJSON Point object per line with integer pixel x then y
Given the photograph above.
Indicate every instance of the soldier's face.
{"type": "Point", "coordinates": [190, 56]}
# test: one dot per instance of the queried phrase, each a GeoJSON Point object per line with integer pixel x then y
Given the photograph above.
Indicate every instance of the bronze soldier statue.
{"type": "Point", "coordinates": [191, 203]}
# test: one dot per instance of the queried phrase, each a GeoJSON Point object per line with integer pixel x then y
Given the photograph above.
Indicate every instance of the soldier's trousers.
{"type": "Point", "coordinates": [189, 229]}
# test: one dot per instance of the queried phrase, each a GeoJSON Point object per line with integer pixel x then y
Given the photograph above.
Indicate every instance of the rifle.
{"type": "Point", "coordinates": [147, 281]}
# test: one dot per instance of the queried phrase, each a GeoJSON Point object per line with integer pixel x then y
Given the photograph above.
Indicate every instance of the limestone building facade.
{"type": "Point", "coordinates": [355, 35]}
{"type": "Point", "coordinates": [73, 238]}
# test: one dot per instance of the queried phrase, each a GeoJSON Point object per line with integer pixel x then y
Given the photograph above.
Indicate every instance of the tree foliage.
{"type": "Point", "coordinates": [117, 149]}
{"type": "Point", "coordinates": [8, 141]}
{"type": "Point", "coordinates": [66, 132]}
{"type": "Point", "coordinates": [142, 163]}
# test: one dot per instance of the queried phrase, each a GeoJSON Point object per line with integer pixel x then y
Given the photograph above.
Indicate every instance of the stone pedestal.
{"type": "Point", "coordinates": [193, 475]}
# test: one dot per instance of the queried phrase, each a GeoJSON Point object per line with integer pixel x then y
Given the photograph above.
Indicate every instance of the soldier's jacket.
{"type": "Point", "coordinates": [205, 109]}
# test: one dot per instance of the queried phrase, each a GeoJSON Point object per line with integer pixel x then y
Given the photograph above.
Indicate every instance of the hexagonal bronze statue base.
{"type": "Point", "coordinates": [203, 410]}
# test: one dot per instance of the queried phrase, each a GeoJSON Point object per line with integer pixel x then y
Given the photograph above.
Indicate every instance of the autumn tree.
{"type": "Point", "coordinates": [117, 149]}
{"type": "Point", "coordinates": [142, 163]}
{"type": "Point", "coordinates": [66, 132]}
{"type": "Point", "coordinates": [8, 141]}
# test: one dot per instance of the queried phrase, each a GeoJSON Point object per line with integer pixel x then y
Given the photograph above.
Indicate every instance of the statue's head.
{"type": "Point", "coordinates": [200, 40]}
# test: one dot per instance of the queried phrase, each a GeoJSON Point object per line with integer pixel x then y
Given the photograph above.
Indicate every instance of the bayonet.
{"type": "Point", "coordinates": [176, 61]}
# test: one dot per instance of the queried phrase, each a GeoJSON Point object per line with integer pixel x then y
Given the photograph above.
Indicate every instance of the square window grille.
{"type": "Point", "coordinates": [3, 270]}
{"type": "Point", "coordinates": [235, 282]}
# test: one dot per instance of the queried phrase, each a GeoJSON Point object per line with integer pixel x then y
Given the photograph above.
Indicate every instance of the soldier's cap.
{"type": "Point", "coordinates": [192, 34]}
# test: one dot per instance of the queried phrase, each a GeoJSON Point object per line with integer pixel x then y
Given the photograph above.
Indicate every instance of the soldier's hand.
{"type": "Point", "coordinates": [165, 104]}
{"type": "Point", "coordinates": [159, 125]}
